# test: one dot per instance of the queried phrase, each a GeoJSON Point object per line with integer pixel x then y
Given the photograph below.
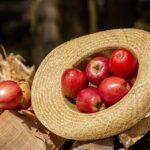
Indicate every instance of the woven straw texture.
{"type": "Point", "coordinates": [51, 107]}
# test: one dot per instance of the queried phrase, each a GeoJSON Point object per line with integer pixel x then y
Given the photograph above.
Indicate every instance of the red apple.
{"type": "Point", "coordinates": [97, 70]}
{"type": "Point", "coordinates": [113, 89]}
{"type": "Point", "coordinates": [132, 80]}
{"type": "Point", "coordinates": [123, 63]}
{"type": "Point", "coordinates": [73, 80]}
{"type": "Point", "coordinates": [10, 95]}
{"type": "Point", "coordinates": [25, 102]}
{"type": "Point", "coordinates": [14, 104]}
{"type": "Point", "coordinates": [88, 100]}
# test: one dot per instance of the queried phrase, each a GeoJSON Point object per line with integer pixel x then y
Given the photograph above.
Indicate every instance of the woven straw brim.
{"type": "Point", "coordinates": [50, 105]}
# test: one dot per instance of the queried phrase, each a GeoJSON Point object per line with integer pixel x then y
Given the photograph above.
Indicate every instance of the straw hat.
{"type": "Point", "coordinates": [58, 115]}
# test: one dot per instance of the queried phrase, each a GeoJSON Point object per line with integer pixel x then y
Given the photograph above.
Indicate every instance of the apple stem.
{"type": "Point", "coordinates": [119, 56]}
{"type": "Point", "coordinates": [97, 68]}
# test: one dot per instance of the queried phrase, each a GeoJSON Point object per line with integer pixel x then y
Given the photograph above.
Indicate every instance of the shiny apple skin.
{"type": "Point", "coordinates": [113, 89]}
{"type": "Point", "coordinates": [14, 104]}
{"type": "Point", "coordinates": [88, 100]}
{"type": "Point", "coordinates": [97, 70]}
{"type": "Point", "coordinates": [10, 95]}
{"type": "Point", "coordinates": [123, 63]}
{"type": "Point", "coordinates": [9, 90]}
{"type": "Point", "coordinates": [72, 81]}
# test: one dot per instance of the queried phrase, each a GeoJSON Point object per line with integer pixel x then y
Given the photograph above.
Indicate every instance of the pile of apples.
{"type": "Point", "coordinates": [105, 81]}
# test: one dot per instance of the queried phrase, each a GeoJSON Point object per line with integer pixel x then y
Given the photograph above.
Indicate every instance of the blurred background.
{"type": "Point", "coordinates": [33, 28]}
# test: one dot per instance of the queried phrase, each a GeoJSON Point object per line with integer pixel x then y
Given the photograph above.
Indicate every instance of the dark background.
{"type": "Point", "coordinates": [33, 28]}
